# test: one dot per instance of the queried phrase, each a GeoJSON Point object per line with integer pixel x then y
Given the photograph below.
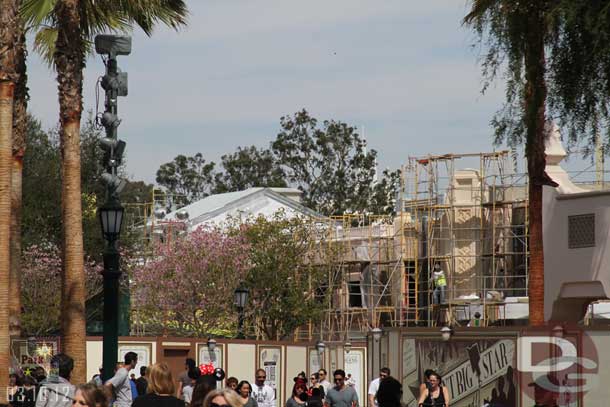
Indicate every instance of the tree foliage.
{"type": "Point", "coordinates": [282, 277]}
{"type": "Point", "coordinates": [579, 69]}
{"type": "Point", "coordinates": [329, 163]}
{"type": "Point", "coordinates": [188, 289]}
{"type": "Point", "coordinates": [42, 187]}
{"type": "Point", "coordinates": [576, 38]}
{"type": "Point", "coordinates": [249, 167]}
{"type": "Point", "coordinates": [189, 179]}
{"type": "Point", "coordinates": [41, 288]}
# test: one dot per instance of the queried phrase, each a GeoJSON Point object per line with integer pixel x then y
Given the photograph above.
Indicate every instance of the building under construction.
{"type": "Point", "coordinates": [472, 223]}
{"type": "Point", "coordinates": [464, 213]}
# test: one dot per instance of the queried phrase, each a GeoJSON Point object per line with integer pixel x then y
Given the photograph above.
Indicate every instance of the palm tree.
{"type": "Point", "coordinates": [19, 134]}
{"type": "Point", "coordinates": [75, 23]}
{"type": "Point", "coordinates": [8, 77]}
{"type": "Point", "coordinates": [517, 31]}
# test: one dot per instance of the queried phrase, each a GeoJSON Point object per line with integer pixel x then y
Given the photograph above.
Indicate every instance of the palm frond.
{"type": "Point", "coordinates": [36, 12]}
{"type": "Point", "coordinates": [148, 13]}
{"type": "Point", "coordinates": [44, 44]}
{"type": "Point", "coordinates": [478, 10]}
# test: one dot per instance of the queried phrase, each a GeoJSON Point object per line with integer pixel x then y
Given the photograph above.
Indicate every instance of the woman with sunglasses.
{"type": "Point", "coordinates": [161, 389]}
{"type": "Point", "coordinates": [436, 395]}
{"type": "Point", "coordinates": [90, 395]}
{"type": "Point", "coordinates": [315, 384]}
{"type": "Point", "coordinates": [222, 398]}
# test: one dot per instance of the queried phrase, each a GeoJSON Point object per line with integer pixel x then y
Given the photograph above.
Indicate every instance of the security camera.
{"type": "Point", "coordinates": [113, 45]}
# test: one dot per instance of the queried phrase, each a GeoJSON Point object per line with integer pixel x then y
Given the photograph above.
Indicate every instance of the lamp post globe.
{"type": "Point", "coordinates": [377, 333]}
{"type": "Point", "coordinates": [347, 347]}
{"type": "Point", "coordinates": [446, 333]}
{"type": "Point", "coordinates": [111, 221]}
{"type": "Point", "coordinates": [241, 296]}
{"type": "Point", "coordinates": [320, 346]}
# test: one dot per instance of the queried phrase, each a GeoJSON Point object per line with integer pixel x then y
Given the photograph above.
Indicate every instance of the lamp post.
{"type": "Point", "coordinates": [446, 333]}
{"type": "Point", "coordinates": [347, 346]}
{"type": "Point", "coordinates": [111, 217]}
{"type": "Point", "coordinates": [211, 344]}
{"type": "Point", "coordinates": [320, 347]}
{"type": "Point", "coordinates": [241, 298]}
{"type": "Point", "coordinates": [111, 212]}
{"type": "Point", "coordinates": [376, 333]}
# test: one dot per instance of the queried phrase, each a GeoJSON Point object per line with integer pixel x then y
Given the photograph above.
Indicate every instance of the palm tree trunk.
{"type": "Point", "coordinates": [535, 100]}
{"type": "Point", "coordinates": [8, 25]}
{"type": "Point", "coordinates": [69, 63]}
{"type": "Point", "coordinates": [6, 124]}
{"type": "Point", "coordinates": [19, 134]}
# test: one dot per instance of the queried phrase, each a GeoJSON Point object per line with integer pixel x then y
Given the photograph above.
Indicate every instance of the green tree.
{"type": "Point", "coordinates": [41, 186]}
{"type": "Point", "coordinates": [515, 33]}
{"type": "Point", "coordinates": [579, 70]}
{"type": "Point", "coordinates": [186, 179]}
{"type": "Point", "coordinates": [249, 167]}
{"type": "Point", "coordinates": [329, 163]}
{"type": "Point", "coordinates": [283, 275]}
{"type": "Point", "coordinates": [385, 192]}
{"type": "Point", "coordinates": [554, 54]}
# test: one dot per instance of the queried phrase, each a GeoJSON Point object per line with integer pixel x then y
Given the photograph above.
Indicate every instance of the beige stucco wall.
{"type": "Point", "coordinates": [241, 360]}
{"type": "Point", "coordinates": [94, 358]}
{"type": "Point", "coordinates": [563, 264]}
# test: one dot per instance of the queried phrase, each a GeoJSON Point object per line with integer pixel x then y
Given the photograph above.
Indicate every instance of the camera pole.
{"type": "Point", "coordinates": [114, 83]}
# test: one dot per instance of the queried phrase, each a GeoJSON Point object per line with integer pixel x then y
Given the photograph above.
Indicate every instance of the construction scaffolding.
{"type": "Point", "coordinates": [472, 223]}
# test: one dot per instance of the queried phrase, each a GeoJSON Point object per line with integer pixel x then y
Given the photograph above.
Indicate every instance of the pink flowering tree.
{"type": "Point", "coordinates": [188, 289]}
{"type": "Point", "coordinates": [41, 288]}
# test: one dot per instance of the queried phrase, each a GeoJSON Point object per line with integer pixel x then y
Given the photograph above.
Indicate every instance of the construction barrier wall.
{"type": "Point", "coordinates": [505, 366]}
{"type": "Point", "coordinates": [239, 358]}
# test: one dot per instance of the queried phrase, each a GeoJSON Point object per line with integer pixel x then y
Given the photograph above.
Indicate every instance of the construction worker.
{"type": "Point", "coordinates": [440, 285]}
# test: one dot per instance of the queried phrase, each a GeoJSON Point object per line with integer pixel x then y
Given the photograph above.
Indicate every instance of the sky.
{"type": "Point", "coordinates": [404, 72]}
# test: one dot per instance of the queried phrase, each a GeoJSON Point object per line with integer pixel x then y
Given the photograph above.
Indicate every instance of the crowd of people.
{"type": "Point", "coordinates": [197, 387]}
{"type": "Point", "coordinates": [156, 387]}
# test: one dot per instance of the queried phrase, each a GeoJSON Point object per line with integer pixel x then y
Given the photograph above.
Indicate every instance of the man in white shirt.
{"type": "Point", "coordinates": [323, 380]}
{"type": "Point", "coordinates": [261, 392]}
{"type": "Point", "coordinates": [120, 383]}
{"type": "Point", "coordinates": [374, 386]}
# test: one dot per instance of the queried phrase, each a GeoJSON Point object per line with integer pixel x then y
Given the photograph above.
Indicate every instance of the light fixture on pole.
{"type": "Point", "coordinates": [111, 220]}
{"type": "Point", "coordinates": [211, 344]}
{"type": "Point", "coordinates": [377, 333]}
{"type": "Point", "coordinates": [240, 299]}
{"type": "Point", "coordinates": [320, 346]}
{"type": "Point", "coordinates": [446, 333]}
{"type": "Point", "coordinates": [347, 347]}
{"type": "Point", "coordinates": [240, 296]}
{"type": "Point", "coordinates": [558, 331]}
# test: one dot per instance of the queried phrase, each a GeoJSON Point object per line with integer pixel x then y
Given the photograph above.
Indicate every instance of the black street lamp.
{"type": "Point", "coordinates": [111, 212]}
{"type": "Point", "coordinates": [241, 298]}
{"type": "Point", "coordinates": [111, 219]}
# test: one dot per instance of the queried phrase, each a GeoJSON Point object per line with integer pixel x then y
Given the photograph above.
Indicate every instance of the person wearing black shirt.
{"type": "Point", "coordinates": [161, 389]}
{"type": "Point", "coordinates": [141, 382]}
